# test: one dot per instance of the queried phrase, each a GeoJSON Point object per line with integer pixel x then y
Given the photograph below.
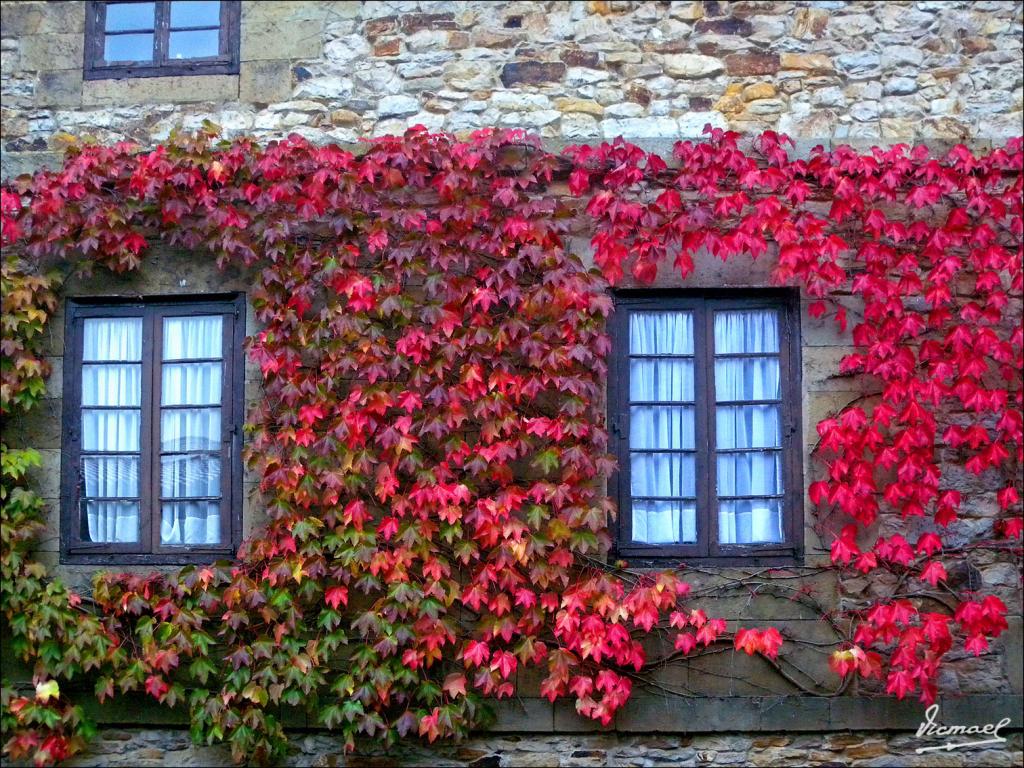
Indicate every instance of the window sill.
{"type": "Point", "coordinates": [176, 70]}
{"type": "Point", "coordinates": [118, 559]}
{"type": "Point", "coordinates": [644, 557]}
{"type": "Point", "coordinates": [163, 89]}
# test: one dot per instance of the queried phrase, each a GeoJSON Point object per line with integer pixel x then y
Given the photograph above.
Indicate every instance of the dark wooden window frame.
{"type": "Point", "coordinates": [707, 549]}
{"type": "Point", "coordinates": [225, 63]}
{"type": "Point", "coordinates": [148, 551]}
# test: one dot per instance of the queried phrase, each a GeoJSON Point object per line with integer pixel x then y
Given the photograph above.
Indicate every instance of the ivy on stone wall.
{"type": "Point", "coordinates": [430, 441]}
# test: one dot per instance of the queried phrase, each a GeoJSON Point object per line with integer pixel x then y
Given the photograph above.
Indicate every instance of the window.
{"type": "Point", "coordinates": [704, 411]}
{"type": "Point", "coordinates": [180, 37]}
{"type": "Point", "coordinates": [151, 461]}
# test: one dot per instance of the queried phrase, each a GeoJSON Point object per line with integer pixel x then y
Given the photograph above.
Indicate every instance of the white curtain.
{"type": "Point", "coordinates": [114, 428]}
{"type": "Point", "coordinates": [188, 475]}
{"type": "Point", "coordinates": [191, 384]}
{"type": "Point", "coordinates": [660, 427]}
{"type": "Point", "coordinates": [110, 430]}
{"type": "Point", "coordinates": [661, 333]}
{"type": "Point", "coordinates": [112, 384]}
{"type": "Point", "coordinates": [190, 521]}
{"type": "Point", "coordinates": [190, 429]}
{"type": "Point", "coordinates": [746, 331]}
{"type": "Point", "coordinates": [664, 522]}
{"type": "Point", "coordinates": [748, 473]}
{"type": "Point", "coordinates": [747, 378]}
{"type": "Point", "coordinates": [661, 379]}
{"type": "Point", "coordinates": [111, 476]}
{"type": "Point", "coordinates": [188, 338]}
{"type": "Point", "coordinates": [113, 521]}
{"type": "Point", "coordinates": [115, 338]}
{"type": "Point", "coordinates": [750, 521]}
{"type": "Point", "coordinates": [747, 426]}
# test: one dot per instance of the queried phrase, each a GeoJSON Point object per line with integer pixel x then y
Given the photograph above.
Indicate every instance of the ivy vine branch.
{"type": "Point", "coordinates": [431, 444]}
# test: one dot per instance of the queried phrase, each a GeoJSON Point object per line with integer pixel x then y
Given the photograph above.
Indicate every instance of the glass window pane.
{"type": "Point", "coordinates": [664, 522]}
{"type": "Point", "coordinates": [191, 384]}
{"type": "Point", "coordinates": [111, 521]}
{"type": "Point", "coordinates": [185, 476]}
{"type": "Point", "coordinates": [750, 521]}
{"type": "Point", "coordinates": [192, 522]}
{"type": "Point", "coordinates": [755, 330]}
{"type": "Point", "coordinates": [189, 522]}
{"type": "Point", "coordinates": [188, 338]}
{"type": "Point", "coordinates": [192, 429]}
{"type": "Point", "coordinates": [193, 13]}
{"type": "Point", "coordinates": [747, 426]}
{"type": "Point", "coordinates": [749, 378]}
{"type": "Point", "coordinates": [114, 430]}
{"type": "Point", "coordinates": [112, 338]}
{"type": "Point", "coordinates": [199, 44]}
{"type": "Point", "coordinates": [661, 333]}
{"type": "Point", "coordinates": [112, 384]}
{"type": "Point", "coordinates": [128, 48]}
{"type": "Point", "coordinates": [661, 426]}
{"type": "Point", "coordinates": [663, 474]}
{"type": "Point", "coordinates": [109, 476]}
{"type": "Point", "coordinates": [661, 379]}
{"type": "Point", "coordinates": [749, 474]}
{"type": "Point", "coordinates": [135, 16]}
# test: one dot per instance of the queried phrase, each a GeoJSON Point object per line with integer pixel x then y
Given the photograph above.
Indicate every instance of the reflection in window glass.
{"type": "Point", "coordinates": [194, 13]}
{"type": "Point", "coordinates": [135, 17]}
{"type": "Point", "coordinates": [128, 48]}
{"type": "Point", "coordinates": [194, 45]}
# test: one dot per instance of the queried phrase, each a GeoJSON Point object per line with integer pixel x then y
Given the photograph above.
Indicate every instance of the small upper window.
{"type": "Point", "coordinates": [151, 450]}
{"type": "Point", "coordinates": [704, 403]}
{"type": "Point", "coordinates": [173, 37]}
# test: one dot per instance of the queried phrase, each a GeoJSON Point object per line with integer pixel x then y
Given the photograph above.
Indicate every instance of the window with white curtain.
{"type": "Point", "coordinates": [703, 404]}
{"type": "Point", "coordinates": [151, 461]}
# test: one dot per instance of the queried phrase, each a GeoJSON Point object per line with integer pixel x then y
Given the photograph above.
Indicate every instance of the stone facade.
{"type": "Point", "coordinates": [567, 70]}
{"type": "Point", "coordinates": [165, 747]}
{"type": "Point", "coordinates": [858, 72]}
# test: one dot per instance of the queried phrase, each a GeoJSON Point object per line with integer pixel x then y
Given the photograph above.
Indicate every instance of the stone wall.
{"type": "Point", "coordinates": [568, 70]}
{"type": "Point", "coordinates": [653, 71]}
{"type": "Point", "coordinates": [860, 748]}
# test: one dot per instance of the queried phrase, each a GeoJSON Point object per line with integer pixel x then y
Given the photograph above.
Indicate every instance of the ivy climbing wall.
{"type": "Point", "coordinates": [816, 612]}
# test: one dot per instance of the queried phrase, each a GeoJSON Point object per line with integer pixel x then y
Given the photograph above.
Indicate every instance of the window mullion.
{"type": "Point", "coordinates": [704, 349]}
{"type": "Point", "coordinates": [161, 34]}
{"type": "Point", "coordinates": [151, 414]}
{"type": "Point", "coordinates": [227, 427]}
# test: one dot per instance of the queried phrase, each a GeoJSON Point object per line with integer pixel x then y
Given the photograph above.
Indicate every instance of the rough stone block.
{"type": "Point", "coordinates": [264, 82]}
{"type": "Point", "coordinates": [1013, 656]}
{"type": "Point", "coordinates": [160, 90]}
{"type": "Point", "coordinates": [21, 19]}
{"type": "Point", "coordinates": [45, 479]}
{"type": "Point", "coordinates": [532, 72]}
{"type": "Point", "coordinates": [531, 715]}
{"type": "Point", "coordinates": [811, 62]}
{"type": "Point", "coordinates": [567, 720]}
{"type": "Point", "coordinates": [39, 428]}
{"type": "Point", "coordinates": [298, 39]}
{"type": "Point", "coordinates": [692, 65]}
{"type": "Point", "coordinates": [59, 88]}
{"type": "Point", "coordinates": [47, 52]}
{"type": "Point", "coordinates": [821, 369]}
{"type": "Point", "coordinates": [261, 11]}
{"type": "Point", "coordinates": [729, 25]}
{"type": "Point", "coordinates": [745, 64]}
{"type": "Point", "coordinates": [14, 164]}
{"type": "Point", "coordinates": [32, 18]}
